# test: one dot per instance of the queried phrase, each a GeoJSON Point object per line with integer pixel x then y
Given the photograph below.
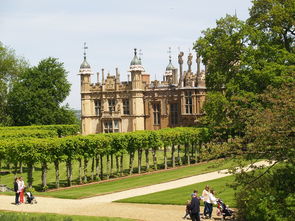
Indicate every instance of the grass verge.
{"type": "Point", "coordinates": [17, 216]}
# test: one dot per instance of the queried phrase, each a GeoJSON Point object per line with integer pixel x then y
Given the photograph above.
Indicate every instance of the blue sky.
{"type": "Point", "coordinates": [37, 29]}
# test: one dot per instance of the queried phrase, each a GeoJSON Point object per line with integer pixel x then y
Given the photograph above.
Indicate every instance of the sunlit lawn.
{"type": "Point", "coordinates": [179, 196]}
{"type": "Point", "coordinates": [17, 216]}
{"type": "Point", "coordinates": [139, 181]}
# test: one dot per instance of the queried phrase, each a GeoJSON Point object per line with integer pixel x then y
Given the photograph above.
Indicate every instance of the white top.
{"type": "Point", "coordinates": [212, 199]}
{"type": "Point", "coordinates": [21, 185]}
{"type": "Point", "coordinates": [205, 195]}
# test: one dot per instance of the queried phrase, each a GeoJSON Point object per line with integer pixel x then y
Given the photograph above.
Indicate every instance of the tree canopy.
{"type": "Point", "coordinates": [243, 58]}
{"type": "Point", "coordinates": [36, 97]}
{"type": "Point", "coordinates": [11, 67]}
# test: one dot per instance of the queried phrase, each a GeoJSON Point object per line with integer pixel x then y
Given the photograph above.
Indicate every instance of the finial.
{"type": "Point", "coordinates": [169, 52]}
{"type": "Point", "coordinates": [236, 13]}
{"type": "Point", "coordinates": [140, 54]}
{"type": "Point", "coordinates": [135, 51]}
{"type": "Point", "coordinates": [85, 47]}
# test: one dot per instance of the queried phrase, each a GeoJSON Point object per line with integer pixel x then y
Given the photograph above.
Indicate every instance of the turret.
{"type": "Point", "coordinates": [136, 70]}
{"type": "Point", "coordinates": [168, 76]}
{"type": "Point", "coordinates": [85, 72]}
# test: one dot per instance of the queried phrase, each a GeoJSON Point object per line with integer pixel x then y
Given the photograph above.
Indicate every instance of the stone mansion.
{"type": "Point", "coordinates": [112, 105]}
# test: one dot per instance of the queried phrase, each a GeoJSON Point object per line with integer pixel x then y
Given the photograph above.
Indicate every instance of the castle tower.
{"type": "Point", "coordinates": [137, 105]}
{"type": "Point", "coordinates": [169, 75]}
{"type": "Point", "coordinates": [85, 73]}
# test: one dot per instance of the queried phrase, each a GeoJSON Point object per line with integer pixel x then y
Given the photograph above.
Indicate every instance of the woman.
{"type": "Point", "coordinates": [205, 198]}
{"type": "Point", "coordinates": [21, 189]}
{"type": "Point", "coordinates": [212, 200]}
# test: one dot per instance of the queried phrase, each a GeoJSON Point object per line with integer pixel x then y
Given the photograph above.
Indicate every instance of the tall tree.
{"type": "Point", "coordinates": [10, 68]}
{"type": "Point", "coordinates": [37, 96]}
{"type": "Point", "coordinates": [270, 134]}
{"type": "Point", "coordinates": [244, 58]}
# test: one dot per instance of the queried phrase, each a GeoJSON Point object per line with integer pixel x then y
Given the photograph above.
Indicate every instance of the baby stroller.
{"type": "Point", "coordinates": [30, 198]}
{"type": "Point", "coordinates": [224, 210]}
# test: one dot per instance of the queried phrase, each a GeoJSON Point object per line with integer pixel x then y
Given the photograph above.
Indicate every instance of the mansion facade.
{"type": "Point", "coordinates": [113, 106]}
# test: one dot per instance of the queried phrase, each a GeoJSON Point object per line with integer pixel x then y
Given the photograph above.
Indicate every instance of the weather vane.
{"type": "Point", "coordinates": [85, 47]}
{"type": "Point", "coordinates": [169, 52]}
{"type": "Point", "coordinates": [140, 53]}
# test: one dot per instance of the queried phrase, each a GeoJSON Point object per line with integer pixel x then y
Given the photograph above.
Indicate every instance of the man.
{"type": "Point", "coordinates": [195, 207]}
{"type": "Point", "coordinates": [16, 190]}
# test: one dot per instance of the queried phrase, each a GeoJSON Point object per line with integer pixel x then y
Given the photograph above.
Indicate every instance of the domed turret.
{"type": "Point", "coordinates": [170, 66]}
{"type": "Point", "coordinates": [85, 67]}
{"type": "Point", "coordinates": [85, 64]}
{"type": "Point", "coordinates": [135, 60]}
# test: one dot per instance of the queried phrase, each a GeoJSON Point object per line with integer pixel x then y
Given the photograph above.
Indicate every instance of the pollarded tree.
{"type": "Point", "coordinates": [37, 96]}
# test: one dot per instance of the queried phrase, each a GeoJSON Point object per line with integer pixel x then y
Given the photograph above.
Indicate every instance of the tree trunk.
{"type": "Point", "coordinates": [147, 160]}
{"type": "Point", "coordinates": [139, 160]}
{"type": "Point", "coordinates": [131, 160]}
{"type": "Point", "coordinates": [165, 158]}
{"type": "Point", "coordinates": [8, 167]}
{"type": "Point", "coordinates": [178, 156]}
{"type": "Point", "coordinates": [108, 167]}
{"type": "Point", "coordinates": [101, 167]}
{"type": "Point", "coordinates": [92, 169]}
{"type": "Point", "coordinates": [85, 169]}
{"type": "Point", "coordinates": [20, 167]}
{"type": "Point", "coordinates": [56, 167]}
{"type": "Point", "coordinates": [173, 155]}
{"type": "Point", "coordinates": [97, 167]}
{"type": "Point", "coordinates": [196, 154]}
{"type": "Point", "coordinates": [112, 165]}
{"type": "Point", "coordinates": [69, 172]}
{"type": "Point", "coordinates": [117, 165]}
{"type": "Point", "coordinates": [15, 168]}
{"type": "Point", "coordinates": [121, 165]}
{"type": "Point", "coordinates": [30, 175]}
{"type": "Point", "coordinates": [44, 176]}
{"type": "Point", "coordinates": [155, 158]}
{"type": "Point", "coordinates": [187, 153]}
{"type": "Point", "coordinates": [80, 170]}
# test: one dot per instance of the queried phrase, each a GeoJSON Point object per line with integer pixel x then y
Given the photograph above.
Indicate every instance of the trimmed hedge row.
{"type": "Point", "coordinates": [39, 131]}
{"type": "Point", "coordinates": [84, 148]}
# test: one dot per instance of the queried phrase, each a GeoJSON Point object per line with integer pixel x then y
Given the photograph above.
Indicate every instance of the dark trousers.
{"type": "Point", "coordinates": [16, 198]}
{"type": "Point", "coordinates": [206, 208]}
{"type": "Point", "coordinates": [195, 216]}
{"type": "Point", "coordinates": [210, 209]}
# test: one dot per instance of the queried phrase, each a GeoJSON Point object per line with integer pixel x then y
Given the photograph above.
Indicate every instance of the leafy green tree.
{"type": "Point", "coordinates": [244, 58]}
{"type": "Point", "coordinates": [275, 18]}
{"type": "Point", "coordinates": [37, 96]}
{"type": "Point", "coordinates": [270, 133]}
{"type": "Point", "coordinates": [11, 67]}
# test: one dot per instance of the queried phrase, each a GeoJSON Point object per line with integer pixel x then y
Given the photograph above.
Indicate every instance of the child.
{"type": "Point", "coordinates": [187, 209]}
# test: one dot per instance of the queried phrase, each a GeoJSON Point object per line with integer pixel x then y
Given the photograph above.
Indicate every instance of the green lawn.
{"type": "Point", "coordinates": [179, 196]}
{"type": "Point", "coordinates": [17, 216]}
{"type": "Point", "coordinates": [144, 180]}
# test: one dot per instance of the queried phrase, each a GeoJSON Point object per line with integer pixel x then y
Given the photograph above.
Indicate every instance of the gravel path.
{"type": "Point", "coordinates": [103, 206]}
